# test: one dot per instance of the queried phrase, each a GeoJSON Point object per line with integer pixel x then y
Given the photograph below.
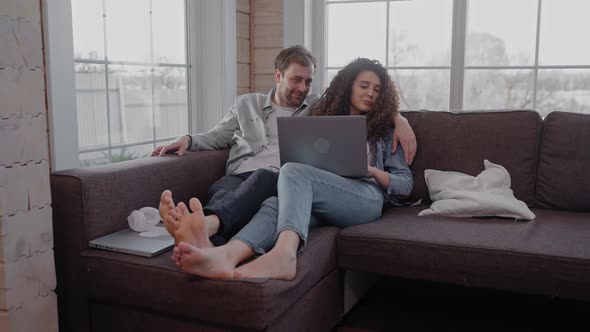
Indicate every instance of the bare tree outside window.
{"type": "Point", "coordinates": [524, 54]}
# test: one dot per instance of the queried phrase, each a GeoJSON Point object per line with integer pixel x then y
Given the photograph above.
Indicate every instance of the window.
{"type": "Point", "coordinates": [135, 50]}
{"type": "Point", "coordinates": [465, 54]}
{"type": "Point", "coordinates": [125, 76]}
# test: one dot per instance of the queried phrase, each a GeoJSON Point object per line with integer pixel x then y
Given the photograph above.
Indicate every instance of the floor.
{"type": "Point", "coordinates": [401, 305]}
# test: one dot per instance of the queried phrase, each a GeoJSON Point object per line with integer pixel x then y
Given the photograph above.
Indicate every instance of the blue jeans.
{"type": "Point", "coordinates": [307, 195]}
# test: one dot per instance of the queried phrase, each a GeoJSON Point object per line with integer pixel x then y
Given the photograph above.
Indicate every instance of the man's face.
{"type": "Point", "coordinates": [294, 85]}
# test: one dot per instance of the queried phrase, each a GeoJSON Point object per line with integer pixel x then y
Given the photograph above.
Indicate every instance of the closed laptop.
{"type": "Point", "coordinates": [131, 242]}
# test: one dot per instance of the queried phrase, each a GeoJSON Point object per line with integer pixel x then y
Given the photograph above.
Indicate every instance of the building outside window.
{"type": "Point", "coordinates": [468, 54]}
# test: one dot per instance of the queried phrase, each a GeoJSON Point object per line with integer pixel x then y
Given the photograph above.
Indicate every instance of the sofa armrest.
{"type": "Point", "coordinates": [91, 202]}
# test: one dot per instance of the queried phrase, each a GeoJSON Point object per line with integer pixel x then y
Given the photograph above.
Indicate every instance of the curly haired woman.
{"type": "Point", "coordinates": [307, 193]}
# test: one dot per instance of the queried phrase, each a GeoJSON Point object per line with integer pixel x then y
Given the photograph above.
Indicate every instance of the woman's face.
{"type": "Point", "coordinates": [365, 91]}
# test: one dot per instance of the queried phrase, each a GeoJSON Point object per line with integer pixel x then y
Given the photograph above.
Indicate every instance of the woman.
{"type": "Point", "coordinates": [305, 193]}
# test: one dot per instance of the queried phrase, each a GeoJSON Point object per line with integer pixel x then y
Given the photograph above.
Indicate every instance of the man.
{"type": "Point", "coordinates": [250, 131]}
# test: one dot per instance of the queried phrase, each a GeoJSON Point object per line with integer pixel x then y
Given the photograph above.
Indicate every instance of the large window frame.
{"type": "Point", "coordinates": [299, 31]}
{"type": "Point", "coordinates": [211, 49]}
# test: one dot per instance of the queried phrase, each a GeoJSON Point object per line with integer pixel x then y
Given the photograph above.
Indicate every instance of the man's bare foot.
{"type": "Point", "coordinates": [167, 205]}
{"type": "Point", "coordinates": [205, 262]}
{"type": "Point", "coordinates": [192, 228]}
{"type": "Point", "coordinates": [276, 264]}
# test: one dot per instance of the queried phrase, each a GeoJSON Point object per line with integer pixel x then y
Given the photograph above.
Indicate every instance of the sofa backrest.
{"type": "Point", "coordinates": [461, 141]}
{"type": "Point", "coordinates": [563, 175]}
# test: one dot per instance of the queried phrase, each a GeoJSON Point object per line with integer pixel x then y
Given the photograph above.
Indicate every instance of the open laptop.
{"type": "Point", "coordinates": [333, 143]}
{"type": "Point", "coordinates": [131, 242]}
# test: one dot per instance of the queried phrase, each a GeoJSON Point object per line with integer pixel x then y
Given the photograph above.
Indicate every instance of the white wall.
{"type": "Point", "coordinates": [27, 273]}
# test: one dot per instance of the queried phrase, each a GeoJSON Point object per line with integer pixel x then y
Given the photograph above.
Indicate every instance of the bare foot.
{"type": "Point", "coordinates": [205, 262]}
{"type": "Point", "coordinates": [192, 227]}
{"type": "Point", "coordinates": [176, 256]}
{"type": "Point", "coordinates": [167, 205]}
{"type": "Point", "coordinates": [276, 264]}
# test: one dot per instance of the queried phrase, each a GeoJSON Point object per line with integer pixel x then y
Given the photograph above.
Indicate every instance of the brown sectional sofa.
{"type": "Point", "coordinates": [548, 161]}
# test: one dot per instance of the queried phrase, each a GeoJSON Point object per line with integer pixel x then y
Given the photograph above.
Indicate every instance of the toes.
{"type": "Point", "coordinates": [186, 248]}
{"type": "Point", "coordinates": [195, 205]}
{"type": "Point", "coordinates": [183, 209]}
{"type": "Point", "coordinates": [172, 222]}
{"type": "Point", "coordinates": [174, 214]}
{"type": "Point", "coordinates": [167, 194]}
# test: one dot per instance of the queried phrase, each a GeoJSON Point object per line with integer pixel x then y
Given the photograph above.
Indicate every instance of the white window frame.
{"type": "Point", "coordinates": [211, 44]}
{"type": "Point", "coordinates": [302, 17]}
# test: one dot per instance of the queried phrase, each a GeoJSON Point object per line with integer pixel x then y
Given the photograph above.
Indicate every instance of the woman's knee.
{"type": "Point", "coordinates": [296, 169]}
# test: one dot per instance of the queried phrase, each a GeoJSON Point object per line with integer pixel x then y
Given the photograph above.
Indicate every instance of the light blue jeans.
{"type": "Point", "coordinates": [309, 196]}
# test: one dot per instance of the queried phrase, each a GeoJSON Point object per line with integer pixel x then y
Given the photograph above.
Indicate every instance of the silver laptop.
{"type": "Point", "coordinates": [131, 242]}
{"type": "Point", "coordinates": [333, 143]}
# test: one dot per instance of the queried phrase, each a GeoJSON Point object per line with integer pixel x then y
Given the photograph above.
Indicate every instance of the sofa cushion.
{"type": "Point", "coordinates": [461, 141]}
{"type": "Point", "coordinates": [156, 284]}
{"type": "Point", "coordinates": [549, 255]}
{"type": "Point", "coordinates": [564, 162]}
{"type": "Point", "coordinates": [460, 195]}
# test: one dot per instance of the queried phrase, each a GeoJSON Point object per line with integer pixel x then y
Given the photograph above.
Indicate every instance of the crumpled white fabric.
{"type": "Point", "coordinates": [145, 221]}
{"type": "Point", "coordinates": [457, 194]}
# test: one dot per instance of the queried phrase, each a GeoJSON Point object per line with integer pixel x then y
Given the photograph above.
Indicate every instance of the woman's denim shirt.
{"type": "Point", "coordinates": [400, 175]}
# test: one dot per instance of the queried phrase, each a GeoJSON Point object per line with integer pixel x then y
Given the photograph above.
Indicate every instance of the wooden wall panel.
{"type": "Point", "coordinates": [268, 35]}
{"type": "Point", "coordinates": [243, 46]}
{"type": "Point", "coordinates": [243, 6]}
{"type": "Point", "coordinates": [266, 42]}
{"type": "Point", "coordinates": [243, 25]}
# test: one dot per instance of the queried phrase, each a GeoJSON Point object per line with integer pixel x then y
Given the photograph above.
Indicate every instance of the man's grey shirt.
{"type": "Point", "coordinates": [245, 128]}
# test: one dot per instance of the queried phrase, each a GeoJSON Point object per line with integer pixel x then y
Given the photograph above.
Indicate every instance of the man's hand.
{"type": "Point", "coordinates": [180, 146]}
{"type": "Point", "coordinates": [404, 135]}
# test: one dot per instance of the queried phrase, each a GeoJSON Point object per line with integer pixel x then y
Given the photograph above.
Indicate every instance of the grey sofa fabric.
{"type": "Point", "coordinates": [546, 158]}
{"type": "Point", "coordinates": [461, 141]}
{"type": "Point", "coordinates": [147, 283]}
{"type": "Point", "coordinates": [92, 202]}
{"type": "Point", "coordinates": [548, 256]}
{"type": "Point", "coordinates": [563, 181]}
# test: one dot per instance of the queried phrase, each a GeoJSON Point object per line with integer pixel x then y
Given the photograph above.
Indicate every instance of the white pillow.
{"type": "Point", "coordinates": [456, 194]}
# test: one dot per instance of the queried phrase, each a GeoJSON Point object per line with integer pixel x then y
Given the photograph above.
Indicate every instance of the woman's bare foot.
{"type": "Point", "coordinates": [205, 262]}
{"type": "Point", "coordinates": [276, 264]}
{"type": "Point", "coordinates": [167, 205]}
{"type": "Point", "coordinates": [191, 226]}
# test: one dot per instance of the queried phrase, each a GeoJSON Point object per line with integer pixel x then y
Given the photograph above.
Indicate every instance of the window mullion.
{"type": "Point", "coordinates": [194, 58]}
{"type": "Point", "coordinates": [458, 54]}
{"type": "Point", "coordinates": [536, 70]}
{"type": "Point", "coordinates": [106, 75]}
{"type": "Point", "coordinates": [387, 16]}
{"type": "Point", "coordinates": [152, 72]}
{"type": "Point", "coordinates": [319, 43]}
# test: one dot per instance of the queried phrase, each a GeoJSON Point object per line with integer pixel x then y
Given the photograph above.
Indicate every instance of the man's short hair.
{"type": "Point", "coordinates": [297, 54]}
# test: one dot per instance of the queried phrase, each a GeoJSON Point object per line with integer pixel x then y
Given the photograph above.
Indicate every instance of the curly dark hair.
{"type": "Point", "coordinates": [336, 98]}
